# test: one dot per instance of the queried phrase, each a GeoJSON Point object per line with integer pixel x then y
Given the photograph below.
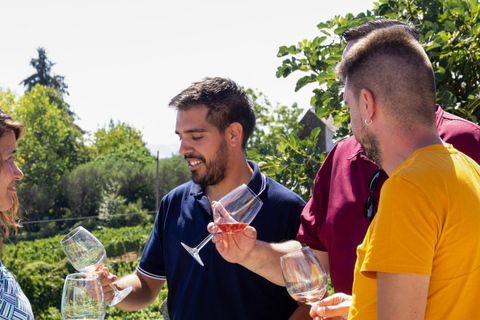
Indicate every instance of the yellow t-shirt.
{"type": "Point", "coordinates": [428, 223]}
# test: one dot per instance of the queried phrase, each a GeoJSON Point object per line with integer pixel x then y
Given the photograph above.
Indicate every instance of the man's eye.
{"type": "Point", "coordinates": [196, 137]}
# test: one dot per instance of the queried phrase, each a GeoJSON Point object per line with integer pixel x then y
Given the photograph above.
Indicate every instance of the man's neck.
{"type": "Point", "coordinates": [235, 176]}
{"type": "Point", "coordinates": [399, 150]}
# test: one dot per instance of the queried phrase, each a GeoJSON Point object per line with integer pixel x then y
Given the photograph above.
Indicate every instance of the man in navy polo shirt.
{"type": "Point", "coordinates": [214, 121]}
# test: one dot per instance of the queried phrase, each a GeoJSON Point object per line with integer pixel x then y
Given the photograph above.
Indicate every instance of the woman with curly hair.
{"type": "Point", "coordinates": [13, 302]}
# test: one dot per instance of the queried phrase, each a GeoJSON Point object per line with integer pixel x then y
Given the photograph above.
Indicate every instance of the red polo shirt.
{"type": "Point", "coordinates": [333, 219]}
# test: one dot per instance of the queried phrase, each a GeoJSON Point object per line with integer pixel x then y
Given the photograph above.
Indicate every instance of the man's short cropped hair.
{"type": "Point", "coordinates": [392, 64]}
{"type": "Point", "coordinates": [226, 101]}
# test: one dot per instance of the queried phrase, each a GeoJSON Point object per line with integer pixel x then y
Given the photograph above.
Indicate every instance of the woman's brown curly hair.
{"type": "Point", "coordinates": [7, 218]}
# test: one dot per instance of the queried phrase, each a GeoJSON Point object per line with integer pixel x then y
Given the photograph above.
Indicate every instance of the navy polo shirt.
{"type": "Point", "coordinates": [219, 290]}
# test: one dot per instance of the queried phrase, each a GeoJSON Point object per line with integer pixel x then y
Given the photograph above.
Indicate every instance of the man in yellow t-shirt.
{"type": "Point", "coordinates": [420, 258]}
{"type": "Point", "coordinates": [428, 225]}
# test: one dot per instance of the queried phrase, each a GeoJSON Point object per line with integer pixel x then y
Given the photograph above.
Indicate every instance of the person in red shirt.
{"type": "Point", "coordinates": [345, 197]}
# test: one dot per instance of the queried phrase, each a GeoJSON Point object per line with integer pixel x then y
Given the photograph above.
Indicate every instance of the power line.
{"type": "Point", "coordinates": [84, 218]}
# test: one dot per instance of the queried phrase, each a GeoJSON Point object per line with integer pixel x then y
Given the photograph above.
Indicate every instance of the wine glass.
{"type": "Point", "coordinates": [233, 213]}
{"type": "Point", "coordinates": [82, 297]}
{"type": "Point", "coordinates": [304, 276]}
{"type": "Point", "coordinates": [87, 254]}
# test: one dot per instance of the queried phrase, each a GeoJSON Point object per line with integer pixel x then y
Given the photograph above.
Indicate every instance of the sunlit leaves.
{"type": "Point", "coordinates": [296, 163]}
{"type": "Point", "coordinates": [53, 144]}
{"type": "Point", "coordinates": [449, 31]}
{"type": "Point", "coordinates": [120, 141]}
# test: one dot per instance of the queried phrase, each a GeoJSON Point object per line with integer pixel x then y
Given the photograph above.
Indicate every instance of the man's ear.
{"type": "Point", "coordinates": [234, 134]}
{"type": "Point", "coordinates": [368, 105]}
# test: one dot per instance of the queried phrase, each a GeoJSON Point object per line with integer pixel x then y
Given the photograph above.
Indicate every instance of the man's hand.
{"type": "Point", "coordinates": [237, 247]}
{"type": "Point", "coordinates": [335, 307]}
{"type": "Point", "coordinates": [107, 279]}
{"type": "Point", "coordinates": [260, 257]}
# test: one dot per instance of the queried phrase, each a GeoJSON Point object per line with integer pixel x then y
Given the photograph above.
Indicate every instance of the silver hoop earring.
{"type": "Point", "coordinates": [368, 123]}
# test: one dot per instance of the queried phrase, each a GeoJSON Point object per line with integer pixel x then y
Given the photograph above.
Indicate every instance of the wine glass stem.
{"type": "Point", "coordinates": [115, 290]}
{"type": "Point", "coordinates": [204, 242]}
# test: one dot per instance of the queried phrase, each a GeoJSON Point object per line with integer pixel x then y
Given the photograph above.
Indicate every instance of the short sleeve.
{"type": "Point", "coordinates": [403, 235]}
{"type": "Point", "coordinates": [152, 262]}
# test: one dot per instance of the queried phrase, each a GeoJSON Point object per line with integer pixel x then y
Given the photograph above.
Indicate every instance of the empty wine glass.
{"type": "Point", "coordinates": [233, 213]}
{"type": "Point", "coordinates": [305, 279]}
{"type": "Point", "coordinates": [82, 297]}
{"type": "Point", "coordinates": [87, 254]}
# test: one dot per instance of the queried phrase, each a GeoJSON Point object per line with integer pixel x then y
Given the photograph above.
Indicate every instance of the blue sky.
{"type": "Point", "coordinates": [124, 60]}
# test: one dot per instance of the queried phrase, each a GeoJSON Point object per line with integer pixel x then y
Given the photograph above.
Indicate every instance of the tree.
{"type": "Point", "coordinates": [275, 145]}
{"type": "Point", "coordinates": [97, 187]}
{"type": "Point", "coordinates": [120, 141]}
{"type": "Point", "coordinates": [271, 122]}
{"type": "Point", "coordinates": [52, 146]}
{"type": "Point", "coordinates": [450, 33]}
{"type": "Point", "coordinates": [7, 101]}
{"type": "Point", "coordinates": [43, 75]}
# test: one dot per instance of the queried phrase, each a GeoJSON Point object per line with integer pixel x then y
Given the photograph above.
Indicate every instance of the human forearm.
{"type": "Point", "coordinates": [145, 291]}
{"type": "Point", "coordinates": [260, 257]}
{"type": "Point", "coordinates": [265, 259]}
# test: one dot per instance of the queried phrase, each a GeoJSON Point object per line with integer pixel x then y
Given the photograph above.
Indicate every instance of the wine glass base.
{"type": "Point", "coordinates": [193, 252]}
{"type": "Point", "coordinates": [120, 295]}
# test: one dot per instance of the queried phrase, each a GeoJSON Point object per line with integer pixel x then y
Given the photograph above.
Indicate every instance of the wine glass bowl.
{"type": "Point", "coordinates": [305, 279]}
{"type": "Point", "coordinates": [236, 210]}
{"type": "Point", "coordinates": [82, 297]}
{"type": "Point", "coordinates": [84, 251]}
{"type": "Point", "coordinates": [87, 254]}
{"type": "Point", "coordinates": [231, 214]}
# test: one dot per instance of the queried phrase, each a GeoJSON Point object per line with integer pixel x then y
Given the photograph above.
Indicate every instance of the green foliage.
{"type": "Point", "coordinates": [449, 31]}
{"type": "Point", "coordinates": [275, 146]}
{"type": "Point", "coordinates": [40, 267]}
{"type": "Point", "coordinates": [51, 141]}
{"type": "Point", "coordinates": [42, 76]}
{"type": "Point", "coordinates": [7, 101]}
{"type": "Point", "coordinates": [317, 58]}
{"type": "Point", "coordinates": [271, 123]}
{"type": "Point", "coordinates": [111, 202]}
{"type": "Point", "coordinates": [172, 172]}
{"type": "Point", "coordinates": [296, 164]}
{"type": "Point", "coordinates": [84, 187]}
{"type": "Point", "coordinates": [120, 141]}
{"type": "Point", "coordinates": [52, 146]}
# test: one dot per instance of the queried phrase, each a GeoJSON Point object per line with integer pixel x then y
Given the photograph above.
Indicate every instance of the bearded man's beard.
{"type": "Point", "coordinates": [215, 169]}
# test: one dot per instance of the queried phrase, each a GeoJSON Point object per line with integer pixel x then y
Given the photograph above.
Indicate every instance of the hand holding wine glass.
{"type": "Point", "coordinates": [87, 254]}
{"type": "Point", "coordinates": [231, 214]}
{"type": "Point", "coordinates": [82, 297]}
{"type": "Point", "coordinates": [305, 279]}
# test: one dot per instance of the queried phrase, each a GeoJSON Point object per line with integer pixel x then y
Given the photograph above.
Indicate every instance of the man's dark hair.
{"type": "Point", "coordinates": [365, 28]}
{"type": "Point", "coordinates": [226, 101]}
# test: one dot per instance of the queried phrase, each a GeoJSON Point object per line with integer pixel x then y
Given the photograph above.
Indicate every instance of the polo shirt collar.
{"type": "Point", "coordinates": [255, 182]}
{"type": "Point", "coordinates": [358, 151]}
{"type": "Point", "coordinates": [439, 114]}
